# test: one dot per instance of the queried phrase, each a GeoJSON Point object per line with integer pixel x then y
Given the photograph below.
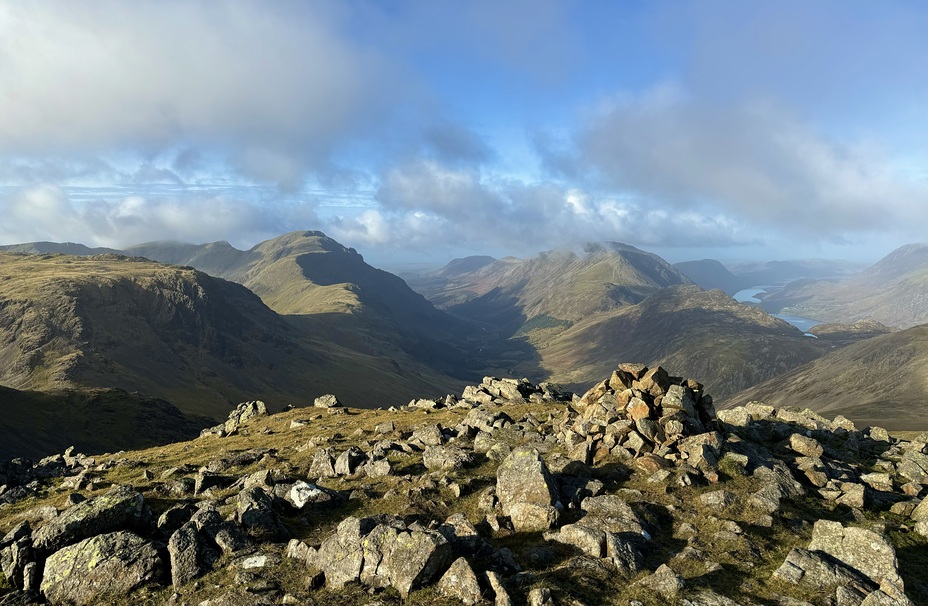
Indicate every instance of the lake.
{"type": "Point", "coordinates": [749, 296]}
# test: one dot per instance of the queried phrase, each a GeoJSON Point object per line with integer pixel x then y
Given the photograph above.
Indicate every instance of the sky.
{"type": "Point", "coordinates": [421, 131]}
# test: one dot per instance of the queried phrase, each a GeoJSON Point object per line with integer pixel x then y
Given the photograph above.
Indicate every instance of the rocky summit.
{"type": "Point", "coordinates": [636, 492]}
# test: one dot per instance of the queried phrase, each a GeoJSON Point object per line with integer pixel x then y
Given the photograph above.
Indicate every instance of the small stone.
{"type": "Point", "coordinates": [664, 582]}
{"type": "Point", "coordinates": [718, 499]}
{"type": "Point", "coordinates": [540, 596]}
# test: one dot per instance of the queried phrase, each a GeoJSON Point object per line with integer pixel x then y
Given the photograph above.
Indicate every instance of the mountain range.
{"type": "Point", "coordinates": [893, 291]}
{"type": "Point", "coordinates": [185, 331]}
{"type": "Point", "coordinates": [200, 342]}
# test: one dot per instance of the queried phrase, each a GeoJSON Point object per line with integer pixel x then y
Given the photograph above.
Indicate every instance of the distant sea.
{"type": "Point", "coordinates": [749, 295]}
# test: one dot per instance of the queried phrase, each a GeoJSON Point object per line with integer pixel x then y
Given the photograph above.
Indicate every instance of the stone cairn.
{"type": "Point", "coordinates": [647, 415]}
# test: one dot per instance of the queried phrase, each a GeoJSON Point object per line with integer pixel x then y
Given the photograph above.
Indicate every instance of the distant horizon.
{"type": "Point", "coordinates": [398, 266]}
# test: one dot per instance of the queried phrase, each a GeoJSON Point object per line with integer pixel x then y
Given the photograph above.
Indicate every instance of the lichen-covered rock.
{"type": "Point", "coordinates": [412, 559]}
{"type": "Point", "coordinates": [243, 412]}
{"type": "Point", "coordinates": [611, 513]}
{"type": "Point", "coordinates": [540, 596]}
{"type": "Point", "coordinates": [323, 465]}
{"type": "Point", "coordinates": [109, 565]}
{"type": "Point", "coordinates": [16, 554]}
{"type": "Point", "coordinates": [664, 582]}
{"type": "Point", "coordinates": [341, 555]}
{"type": "Point", "coordinates": [818, 571]}
{"type": "Point", "coordinates": [122, 508]}
{"type": "Point", "coordinates": [805, 446]}
{"type": "Point", "coordinates": [623, 552]}
{"type": "Point", "coordinates": [717, 499]}
{"type": "Point", "coordinates": [302, 494]}
{"type": "Point", "coordinates": [327, 401]}
{"type": "Point", "coordinates": [347, 462]}
{"type": "Point", "coordinates": [187, 555]}
{"type": "Point", "coordinates": [590, 541]}
{"type": "Point", "coordinates": [525, 488]}
{"type": "Point", "coordinates": [914, 466]}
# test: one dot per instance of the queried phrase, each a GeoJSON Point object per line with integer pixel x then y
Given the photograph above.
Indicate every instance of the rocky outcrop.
{"type": "Point", "coordinates": [644, 414]}
{"type": "Point", "coordinates": [239, 415]}
{"type": "Point", "coordinates": [388, 554]}
{"type": "Point", "coordinates": [512, 500]}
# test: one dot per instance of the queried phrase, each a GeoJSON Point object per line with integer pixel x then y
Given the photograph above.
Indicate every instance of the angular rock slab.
{"type": "Point", "coordinates": [525, 487]}
{"type": "Point", "coordinates": [113, 564]}
{"type": "Point", "coordinates": [460, 581]}
{"type": "Point", "coordinates": [861, 549]}
{"type": "Point", "coordinates": [255, 512]}
{"type": "Point", "coordinates": [119, 509]}
{"type": "Point", "coordinates": [187, 555]}
{"type": "Point", "coordinates": [341, 555]}
{"type": "Point", "coordinates": [818, 571]}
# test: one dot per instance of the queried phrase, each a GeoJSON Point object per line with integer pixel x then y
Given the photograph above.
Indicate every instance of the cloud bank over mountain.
{"type": "Point", "coordinates": [726, 129]}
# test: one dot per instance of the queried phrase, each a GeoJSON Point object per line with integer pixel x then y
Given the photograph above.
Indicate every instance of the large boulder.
{"type": "Point", "coordinates": [341, 555]}
{"type": "Point", "coordinates": [406, 558]}
{"type": "Point", "coordinates": [16, 553]}
{"type": "Point", "coordinates": [122, 508]}
{"type": "Point", "coordinates": [348, 461]}
{"type": "Point", "coordinates": [861, 549]}
{"type": "Point", "coordinates": [526, 490]}
{"type": "Point", "coordinates": [461, 582]}
{"type": "Point", "coordinates": [323, 465]}
{"type": "Point", "coordinates": [611, 513]}
{"type": "Point", "coordinates": [855, 562]}
{"type": "Point", "coordinates": [327, 401]}
{"type": "Point", "coordinates": [818, 571]}
{"type": "Point", "coordinates": [106, 566]}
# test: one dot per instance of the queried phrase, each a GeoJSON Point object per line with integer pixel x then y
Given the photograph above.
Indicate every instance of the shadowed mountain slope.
{"type": "Point", "coordinates": [709, 274]}
{"type": "Point", "coordinates": [880, 381]}
{"type": "Point", "coordinates": [176, 333]}
{"type": "Point", "coordinates": [37, 424]}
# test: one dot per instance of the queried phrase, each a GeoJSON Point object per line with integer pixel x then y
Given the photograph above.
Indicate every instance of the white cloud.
{"type": "Point", "coordinates": [753, 162]}
{"type": "Point", "coordinates": [49, 213]}
{"type": "Point", "coordinates": [447, 211]}
{"type": "Point", "coordinates": [272, 81]}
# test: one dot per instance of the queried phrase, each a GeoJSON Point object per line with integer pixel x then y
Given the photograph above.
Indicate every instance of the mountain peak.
{"type": "Point", "coordinates": [900, 261]}
{"type": "Point", "coordinates": [298, 242]}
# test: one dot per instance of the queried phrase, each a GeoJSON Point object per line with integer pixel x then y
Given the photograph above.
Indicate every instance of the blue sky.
{"type": "Point", "coordinates": [429, 130]}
